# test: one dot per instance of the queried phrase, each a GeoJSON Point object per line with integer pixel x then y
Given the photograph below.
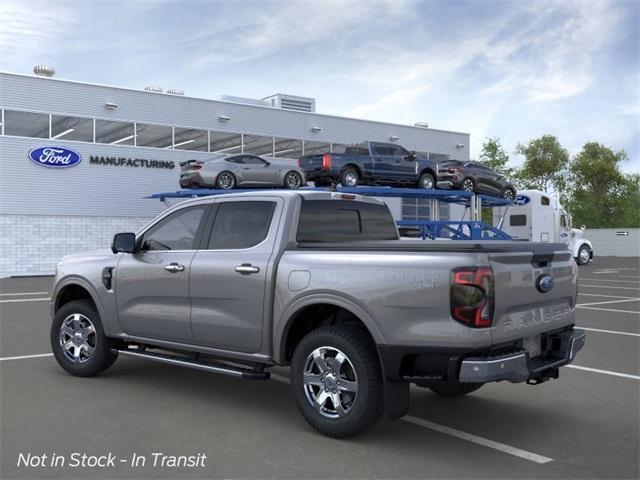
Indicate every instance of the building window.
{"type": "Point", "coordinates": [225, 143]}
{"type": "Point", "coordinates": [190, 139]}
{"type": "Point", "coordinates": [114, 133]}
{"type": "Point", "coordinates": [416, 209]}
{"type": "Point", "coordinates": [71, 128]}
{"type": "Point", "coordinates": [258, 145]}
{"type": "Point", "coordinates": [316, 148]}
{"type": "Point", "coordinates": [158, 136]}
{"type": "Point", "coordinates": [287, 148]}
{"type": "Point", "coordinates": [26, 124]}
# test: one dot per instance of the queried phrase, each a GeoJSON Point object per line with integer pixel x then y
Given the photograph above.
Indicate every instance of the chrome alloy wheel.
{"type": "Point", "coordinates": [330, 382]}
{"type": "Point", "coordinates": [293, 180]}
{"type": "Point", "coordinates": [77, 338]}
{"type": "Point", "coordinates": [467, 185]}
{"type": "Point", "coordinates": [351, 179]}
{"type": "Point", "coordinates": [226, 181]}
{"type": "Point", "coordinates": [508, 194]}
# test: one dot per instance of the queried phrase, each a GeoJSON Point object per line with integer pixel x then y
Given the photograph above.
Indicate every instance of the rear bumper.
{"type": "Point", "coordinates": [518, 367]}
{"type": "Point", "coordinates": [512, 363]}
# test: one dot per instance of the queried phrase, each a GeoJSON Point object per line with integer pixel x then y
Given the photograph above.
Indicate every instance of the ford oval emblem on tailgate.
{"type": "Point", "coordinates": [544, 283]}
{"type": "Point", "coordinates": [55, 157]}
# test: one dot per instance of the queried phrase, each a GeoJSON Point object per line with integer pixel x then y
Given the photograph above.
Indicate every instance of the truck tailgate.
{"type": "Point", "coordinates": [522, 306]}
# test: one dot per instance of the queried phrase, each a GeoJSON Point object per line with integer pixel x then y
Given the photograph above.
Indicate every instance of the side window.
{"type": "Point", "coordinates": [241, 225]}
{"type": "Point", "coordinates": [238, 159]}
{"type": "Point", "coordinates": [251, 160]}
{"type": "Point", "coordinates": [563, 221]}
{"type": "Point", "coordinates": [545, 201]}
{"type": "Point", "coordinates": [518, 220]}
{"type": "Point", "coordinates": [175, 232]}
{"type": "Point", "coordinates": [399, 151]}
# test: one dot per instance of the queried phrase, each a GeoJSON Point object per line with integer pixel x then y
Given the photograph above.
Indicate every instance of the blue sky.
{"type": "Point", "coordinates": [508, 69]}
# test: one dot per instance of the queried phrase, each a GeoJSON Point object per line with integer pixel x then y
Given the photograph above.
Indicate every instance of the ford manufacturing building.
{"type": "Point", "coordinates": [129, 144]}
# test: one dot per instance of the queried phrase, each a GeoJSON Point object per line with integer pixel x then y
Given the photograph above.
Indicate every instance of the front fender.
{"type": "Point", "coordinates": [95, 297]}
{"type": "Point", "coordinates": [281, 329]}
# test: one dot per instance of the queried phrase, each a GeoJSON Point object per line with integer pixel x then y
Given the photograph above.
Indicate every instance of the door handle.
{"type": "Point", "coordinates": [247, 269]}
{"type": "Point", "coordinates": [174, 267]}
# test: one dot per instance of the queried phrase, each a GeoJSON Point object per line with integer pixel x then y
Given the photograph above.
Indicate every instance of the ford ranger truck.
{"type": "Point", "coordinates": [370, 163]}
{"type": "Point", "coordinates": [319, 281]}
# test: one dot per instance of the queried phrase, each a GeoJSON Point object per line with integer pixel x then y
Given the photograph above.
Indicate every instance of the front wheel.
{"type": "Point", "coordinates": [455, 390]}
{"type": "Point", "coordinates": [337, 381]}
{"type": "Point", "coordinates": [293, 180]}
{"type": "Point", "coordinates": [427, 181]}
{"type": "Point", "coordinates": [78, 340]}
{"type": "Point", "coordinates": [509, 194]}
{"type": "Point", "coordinates": [584, 255]}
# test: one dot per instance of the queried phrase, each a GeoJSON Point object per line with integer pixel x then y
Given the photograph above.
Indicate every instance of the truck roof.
{"type": "Point", "coordinates": [306, 194]}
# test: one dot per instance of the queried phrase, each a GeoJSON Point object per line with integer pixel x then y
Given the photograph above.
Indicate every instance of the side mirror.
{"type": "Point", "coordinates": [124, 242]}
{"type": "Point", "coordinates": [412, 156]}
{"type": "Point", "coordinates": [583, 227]}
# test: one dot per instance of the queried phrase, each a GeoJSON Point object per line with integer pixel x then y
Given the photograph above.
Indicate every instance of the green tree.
{"type": "Point", "coordinates": [493, 155]}
{"type": "Point", "coordinates": [545, 164]}
{"type": "Point", "coordinates": [600, 195]}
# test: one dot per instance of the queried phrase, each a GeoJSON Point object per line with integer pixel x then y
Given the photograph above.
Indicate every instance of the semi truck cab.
{"type": "Point", "coordinates": [536, 216]}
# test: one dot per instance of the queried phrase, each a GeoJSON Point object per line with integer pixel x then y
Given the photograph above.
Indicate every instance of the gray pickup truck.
{"type": "Point", "coordinates": [320, 281]}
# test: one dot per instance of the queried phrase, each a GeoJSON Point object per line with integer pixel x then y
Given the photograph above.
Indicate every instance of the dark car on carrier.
{"type": "Point", "coordinates": [370, 163]}
{"type": "Point", "coordinates": [474, 177]}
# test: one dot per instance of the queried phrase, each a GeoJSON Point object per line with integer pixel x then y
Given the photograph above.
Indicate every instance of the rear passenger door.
{"type": "Point", "coordinates": [229, 275]}
{"type": "Point", "coordinates": [390, 163]}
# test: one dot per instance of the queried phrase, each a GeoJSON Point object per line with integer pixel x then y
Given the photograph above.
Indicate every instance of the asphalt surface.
{"type": "Point", "coordinates": [583, 425]}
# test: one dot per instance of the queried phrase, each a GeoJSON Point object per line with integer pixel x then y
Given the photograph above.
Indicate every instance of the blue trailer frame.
{"type": "Point", "coordinates": [473, 229]}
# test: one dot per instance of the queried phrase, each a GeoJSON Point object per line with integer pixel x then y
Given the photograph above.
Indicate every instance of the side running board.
{"type": "Point", "coordinates": [207, 367]}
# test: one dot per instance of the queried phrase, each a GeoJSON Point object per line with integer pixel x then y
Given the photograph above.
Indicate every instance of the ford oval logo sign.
{"type": "Point", "coordinates": [521, 200]}
{"type": "Point", "coordinates": [545, 282]}
{"type": "Point", "coordinates": [55, 157]}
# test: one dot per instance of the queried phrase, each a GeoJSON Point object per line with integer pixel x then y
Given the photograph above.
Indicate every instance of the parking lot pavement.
{"type": "Point", "coordinates": [585, 424]}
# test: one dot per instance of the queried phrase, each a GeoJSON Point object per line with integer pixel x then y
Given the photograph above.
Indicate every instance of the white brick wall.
{"type": "Point", "coordinates": [33, 244]}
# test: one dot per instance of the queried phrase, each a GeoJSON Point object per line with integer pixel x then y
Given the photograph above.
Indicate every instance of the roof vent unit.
{"type": "Point", "coordinates": [153, 88]}
{"type": "Point", "coordinates": [175, 91]}
{"type": "Point", "coordinates": [421, 124]}
{"type": "Point", "coordinates": [44, 71]}
{"type": "Point", "coordinates": [291, 102]}
{"type": "Point", "coordinates": [243, 100]}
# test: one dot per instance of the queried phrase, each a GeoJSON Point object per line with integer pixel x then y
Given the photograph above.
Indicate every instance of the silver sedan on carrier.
{"type": "Point", "coordinates": [227, 172]}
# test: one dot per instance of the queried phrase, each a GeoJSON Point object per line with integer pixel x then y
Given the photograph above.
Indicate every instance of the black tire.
{"type": "Point", "coordinates": [584, 255]}
{"type": "Point", "coordinates": [468, 185]}
{"type": "Point", "coordinates": [456, 390]}
{"type": "Point", "coordinates": [367, 406]}
{"type": "Point", "coordinates": [427, 181]}
{"type": "Point", "coordinates": [349, 177]}
{"type": "Point", "coordinates": [101, 357]}
{"type": "Point", "coordinates": [288, 180]}
{"type": "Point", "coordinates": [222, 183]}
{"type": "Point", "coordinates": [509, 194]}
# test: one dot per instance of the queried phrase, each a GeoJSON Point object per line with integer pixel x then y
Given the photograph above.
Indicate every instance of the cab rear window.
{"type": "Point", "coordinates": [344, 220]}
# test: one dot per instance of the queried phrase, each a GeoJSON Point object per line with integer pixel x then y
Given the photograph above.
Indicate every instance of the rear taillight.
{"type": "Point", "coordinates": [195, 167]}
{"type": "Point", "coordinates": [454, 170]}
{"type": "Point", "coordinates": [472, 296]}
{"type": "Point", "coordinates": [326, 161]}
{"type": "Point", "coordinates": [299, 163]}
